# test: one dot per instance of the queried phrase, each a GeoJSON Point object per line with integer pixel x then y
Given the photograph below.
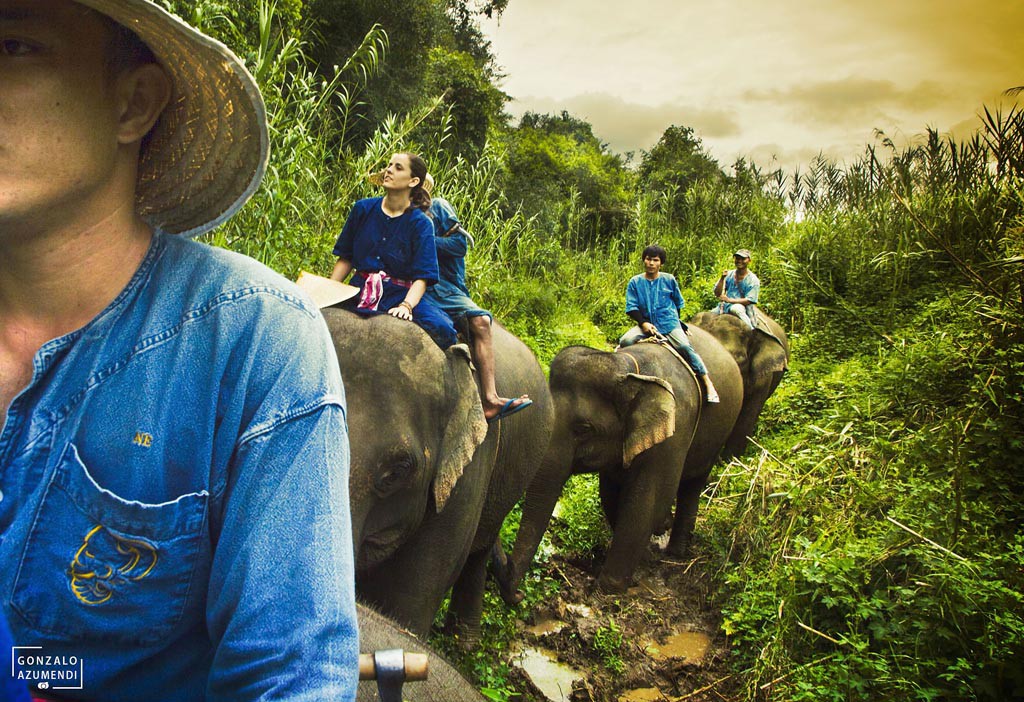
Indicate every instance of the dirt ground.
{"type": "Point", "coordinates": [672, 647]}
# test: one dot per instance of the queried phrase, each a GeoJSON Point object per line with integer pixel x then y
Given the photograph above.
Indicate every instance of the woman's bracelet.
{"type": "Point", "coordinates": [406, 305]}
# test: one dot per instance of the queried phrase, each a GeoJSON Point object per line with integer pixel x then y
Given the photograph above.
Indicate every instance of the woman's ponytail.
{"type": "Point", "coordinates": [418, 196]}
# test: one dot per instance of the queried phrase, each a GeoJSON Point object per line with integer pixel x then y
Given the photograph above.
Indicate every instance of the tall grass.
{"type": "Point", "coordinates": [871, 545]}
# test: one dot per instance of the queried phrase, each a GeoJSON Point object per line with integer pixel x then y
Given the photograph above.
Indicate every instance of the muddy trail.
{"type": "Point", "coordinates": [661, 640]}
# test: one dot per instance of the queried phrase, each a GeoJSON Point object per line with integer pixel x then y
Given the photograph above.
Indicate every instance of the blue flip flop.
{"type": "Point", "coordinates": [510, 408]}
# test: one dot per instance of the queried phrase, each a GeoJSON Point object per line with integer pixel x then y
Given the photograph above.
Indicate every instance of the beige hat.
{"type": "Point", "coordinates": [208, 152]}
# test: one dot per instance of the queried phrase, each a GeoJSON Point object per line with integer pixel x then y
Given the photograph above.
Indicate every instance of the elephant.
{"type": "Point", "coordinates": [638, 418]}
{"type": "Point", "coordinates": [431, 481]}
{"type": "Point", "coordinates": [443, 684]}
{"type": "Point", "coordinates": [762, 355]}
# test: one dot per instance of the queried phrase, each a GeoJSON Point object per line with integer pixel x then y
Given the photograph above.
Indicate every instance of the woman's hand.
{"type": "Point", "coordinates": [403, 310]}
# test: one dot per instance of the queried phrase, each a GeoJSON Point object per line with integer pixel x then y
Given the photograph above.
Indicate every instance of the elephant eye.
{"type": "Point", "coordinates": [395, 474]}
{"type": "Point", "coordinates": [582, 428]}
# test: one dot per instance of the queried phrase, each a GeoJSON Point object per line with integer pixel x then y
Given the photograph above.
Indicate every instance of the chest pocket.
{"type": "Point", "coordinates": [95, 564]}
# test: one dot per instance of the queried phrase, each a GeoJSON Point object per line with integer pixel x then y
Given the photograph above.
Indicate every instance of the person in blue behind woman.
{"type": "Point", "coordinates": [451, 295]}
{"type": "Point", "coordinates": [173, 445]}
{"type": "Point", "coordinates": [653, 301]}
{"type": "Point", "coordinates": [389, 243]}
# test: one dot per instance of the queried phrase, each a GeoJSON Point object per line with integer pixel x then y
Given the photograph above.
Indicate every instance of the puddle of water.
{"type": "Point", "coordinates": [546, 626]}
{"type": "Point", "coordinates": [552, 678]}
{"type": "Point", "coordinates": [580, 610]}
{"type": "Point", "coordinates": [644, 694]}
{"type": "Point", "coordinates": [689, 645]}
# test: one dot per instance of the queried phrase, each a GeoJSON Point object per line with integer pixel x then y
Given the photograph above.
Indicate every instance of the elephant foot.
{"type": "Point", "coordinates": [679, 550]}
{"type": "Point", "coordinates": [465, 636]}
{"type": "Point", "coordinates": [504, 575]}
{"type": "Point", "coordinates": [611, 585]}
{"type": "Point", "coordinates": [511, 598]}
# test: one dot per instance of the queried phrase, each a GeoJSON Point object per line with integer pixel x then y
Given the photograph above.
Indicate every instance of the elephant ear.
{"type": "Point", "coordinates": [466, 427]}
{"type": "Point", "coordinates": [649, 405]}
{"type": "Point", "coordinates": [767, 355]}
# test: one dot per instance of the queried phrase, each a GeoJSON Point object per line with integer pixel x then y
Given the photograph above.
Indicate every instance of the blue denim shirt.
{"type": "Point", "coordinates": [659, 300]}
{"type": "Point", "coordinates": [749, 287]}
{"type": "Point", "coordinates": [451, 249]}
{"type": "Point", "coordinates": [174, 483]}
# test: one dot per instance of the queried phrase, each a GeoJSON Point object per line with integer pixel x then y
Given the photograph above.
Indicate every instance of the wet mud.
{"type": "Point", "coordinates": [672, 647]}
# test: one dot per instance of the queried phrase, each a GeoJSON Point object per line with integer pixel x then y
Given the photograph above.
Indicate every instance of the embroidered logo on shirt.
{"type": "Point", "coordinates": [106, 561]}
{"type": "Point", "coordinates": [143, 439]}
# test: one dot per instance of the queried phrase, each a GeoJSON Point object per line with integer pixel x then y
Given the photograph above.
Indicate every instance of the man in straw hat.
{"type": "Point", "coordinates": [173, 466]}
{"type": "Point", "coordinates": [450, 294]}
{"type": "Point", "coordinates": [738, 289]}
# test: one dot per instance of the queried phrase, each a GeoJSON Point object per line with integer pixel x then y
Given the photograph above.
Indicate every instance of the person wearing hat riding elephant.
{"type": "Point", "coordinates": [173, 464]}
{"type": "Point", "coordinates": [738, 289]}
{"type": "Point", "coordinates": [451, 294]}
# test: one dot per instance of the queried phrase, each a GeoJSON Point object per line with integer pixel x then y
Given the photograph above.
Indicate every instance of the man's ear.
{"type": "Point", "coordinates": [142, 93]}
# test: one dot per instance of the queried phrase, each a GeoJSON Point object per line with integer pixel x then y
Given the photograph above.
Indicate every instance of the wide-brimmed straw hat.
{"type": "Point", "coordinates": [208, 152]}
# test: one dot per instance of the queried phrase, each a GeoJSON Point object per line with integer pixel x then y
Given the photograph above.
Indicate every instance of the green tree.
{"type": "Point", "coordinates": [555, 162]}
{"type": "Point", "coordinates": [435, 48]}
{"type": "Point", "coordinates": [472, 105]}
{"type": "Point", "coordinates": [677, 161]}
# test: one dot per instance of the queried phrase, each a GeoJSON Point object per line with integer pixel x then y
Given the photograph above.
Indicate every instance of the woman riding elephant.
{"type": "Point", "coordinates": [389, 242]}
{"type": "Point", "coordinates": [637, 418]}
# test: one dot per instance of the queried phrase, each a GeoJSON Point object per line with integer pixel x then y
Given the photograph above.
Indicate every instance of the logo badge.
{"type": "Point", "coordinates": [107, 561]}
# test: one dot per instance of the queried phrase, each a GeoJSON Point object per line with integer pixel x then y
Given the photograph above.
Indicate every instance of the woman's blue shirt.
{"type": "Point", "coordinates": [402, 246]}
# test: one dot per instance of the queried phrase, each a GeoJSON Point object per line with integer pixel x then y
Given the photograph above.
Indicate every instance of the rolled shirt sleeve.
{"type": "Point", "coordinates": [344, 246]}
{"type": "Point", "coordinates": [676, 295]}
{"type": "Point", "coordinates": [753, 287]}
{"type": "Point", "coordinates": [423, 263]}
{"type": "Point", "coordinates": [633, 298]}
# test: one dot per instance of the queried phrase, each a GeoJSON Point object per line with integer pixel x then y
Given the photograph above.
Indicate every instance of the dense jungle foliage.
{"type": "Point", "coordinates": [869, 545]}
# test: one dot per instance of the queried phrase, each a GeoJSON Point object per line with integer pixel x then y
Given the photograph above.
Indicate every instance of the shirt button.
{"type": "Point", "coordinates": [1, 495]}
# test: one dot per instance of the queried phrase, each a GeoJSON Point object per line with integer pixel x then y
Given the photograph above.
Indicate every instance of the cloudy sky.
{"type": "Point", "coordinates": [768, 79]}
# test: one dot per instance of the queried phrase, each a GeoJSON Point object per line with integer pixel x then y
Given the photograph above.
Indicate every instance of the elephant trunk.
{"type": "Point", "coordinates": [541, 496]}
{"type": "Point", "coordinates": [360, 510]}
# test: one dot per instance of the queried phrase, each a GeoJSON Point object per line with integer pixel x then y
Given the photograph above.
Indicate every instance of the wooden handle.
{"type": "Point", "coordinates": [416, 667]}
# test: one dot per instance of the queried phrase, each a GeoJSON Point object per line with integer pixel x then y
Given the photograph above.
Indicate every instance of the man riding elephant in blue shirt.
{"type": "Point", "coordinates": [653, 301]}
{"type": "Point", "coordinates": [738, 290]}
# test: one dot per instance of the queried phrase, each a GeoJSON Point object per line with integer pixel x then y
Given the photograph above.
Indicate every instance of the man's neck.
{"type": "Point", "coordinates": [652, 276]}
{"type": "Point", "coordinates": [53, 282]}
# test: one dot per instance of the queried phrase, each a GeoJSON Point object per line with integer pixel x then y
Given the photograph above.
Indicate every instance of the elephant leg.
{"type": "Point", "coordinates": [541, 496]}
{"type": "Point", "coordinates": [501, 568]}
{"type": "Point", "coordinates": [467, 601]}
{"type": "Point", "coordinates": [646, 494]}
{"type": "Point", "coordinates": [610, 491]}
{"type": "Point", "coordinates": [687, 501]}
{"type": "Point", "coordinates": [753, 403]}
